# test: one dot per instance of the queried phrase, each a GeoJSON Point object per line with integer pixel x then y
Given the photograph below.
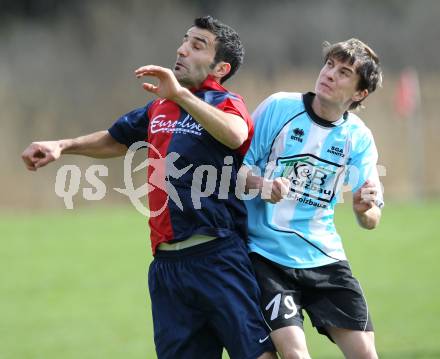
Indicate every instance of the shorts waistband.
{"type": "Point", "coordinates": [190, 242]}
{"type": "Point", "coordinates": [212, 245]}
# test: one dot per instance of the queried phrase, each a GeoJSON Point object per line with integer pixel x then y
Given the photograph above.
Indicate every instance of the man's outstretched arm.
{"type": "Point", "coordinates": [98, 145]}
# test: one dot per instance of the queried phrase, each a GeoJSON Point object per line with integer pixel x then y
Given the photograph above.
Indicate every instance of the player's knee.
{"type": "Point", "coordinates": [295, 354]}
{"type": "Point", "coordinates": [366, 352]}
{"type": "Point", "coordinates": [268, 355]}
{"type": "Point", "coordinates": [369, 354]}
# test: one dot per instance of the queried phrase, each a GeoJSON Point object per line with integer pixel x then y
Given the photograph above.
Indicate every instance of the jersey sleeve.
{"type": "Point", "coordinates": [263, 133]}
{"type": "Point", "coordinates": [131, 127]}
{"type": "Point", "coordinates": [362, 166]}
{"type": "Point", "coordinates": [235, 106]}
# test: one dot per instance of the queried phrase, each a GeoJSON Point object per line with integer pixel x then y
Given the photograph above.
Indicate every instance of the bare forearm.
{"type": "Point", "coordinates": [369, 219]}
{"type": "Point", "coordinates": [271, 191]}
{"type": "Point", "coordinates": [253, 182]}
{"type": "Point", "coordinates": [98, 145]}
{"type": "Point", "coordinates": [228, 129]}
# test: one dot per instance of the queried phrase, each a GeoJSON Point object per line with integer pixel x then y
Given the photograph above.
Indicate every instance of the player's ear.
{"type": "Point", "coordinates": [359, 95]}
{"type": "Point", "coordinates": [221, 69]}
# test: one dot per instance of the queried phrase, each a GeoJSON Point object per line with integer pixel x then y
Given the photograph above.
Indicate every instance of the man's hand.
{"type": "Point", "coordinates": [168, 87]}
{"type": "Point", "coordinates": [367, 212]}
{"type": "Point", "coordinates": [275, 190]}
{"type": "Point", "coordinates": [365, 197]}
{"type": "Point", "coordinates": [39, 154]}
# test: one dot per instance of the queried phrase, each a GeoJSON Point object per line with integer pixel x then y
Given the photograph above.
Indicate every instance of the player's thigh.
{"type": "Point", "coordinates": [290, 342]}
{"type": "Point", "coordinates": [336, 300]}
{"type": "Point", "coordinates": [234, 295]}
{"type": "Point", "coordinates": [204, 344]}
{"type": "Point", "coordinates": [241, 327]}
{"type": "Point", "coordinates": [354, 344]}
{"type": "Point", "coordinates": [180, 330]}
{"type": "Point", "coordinates": [280, 294]}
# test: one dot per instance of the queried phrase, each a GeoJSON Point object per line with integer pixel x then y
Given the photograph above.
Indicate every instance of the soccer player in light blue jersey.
{"type": "Point", "coordinates": [305, 148]}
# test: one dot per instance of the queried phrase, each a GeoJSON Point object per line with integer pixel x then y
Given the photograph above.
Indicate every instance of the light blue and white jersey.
{"type": "Point", "coordinates": [318, 157]}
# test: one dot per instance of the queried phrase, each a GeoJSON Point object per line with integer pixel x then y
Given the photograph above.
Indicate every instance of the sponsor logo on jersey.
{"type": "Point", "coordinates": [160, 123]}
{"type": "Point", "coordinates": [311, 177]}
{"type": "Point", "coordinates": [336, 151]}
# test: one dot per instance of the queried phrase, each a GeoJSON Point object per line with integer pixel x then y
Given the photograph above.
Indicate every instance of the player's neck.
{"type": "Point", "coordinates": [327, 111]}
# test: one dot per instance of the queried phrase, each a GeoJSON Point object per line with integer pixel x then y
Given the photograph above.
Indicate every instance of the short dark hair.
{"type": "Point", "coordinates": [228, 44]}
{"type": "Point", "coordinates": [368, 67]}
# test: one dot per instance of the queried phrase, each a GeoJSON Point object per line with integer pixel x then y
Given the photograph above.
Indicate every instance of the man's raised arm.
{"type": "Point", "coordinates": [229, 129]}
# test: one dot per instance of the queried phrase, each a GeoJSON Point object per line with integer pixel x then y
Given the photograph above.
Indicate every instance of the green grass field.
{"type": "Point", "coordinates": [73, 285]}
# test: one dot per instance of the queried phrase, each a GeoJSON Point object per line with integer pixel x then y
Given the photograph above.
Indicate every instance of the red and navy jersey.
{"type": "Point", "coordinates": [186, 164]}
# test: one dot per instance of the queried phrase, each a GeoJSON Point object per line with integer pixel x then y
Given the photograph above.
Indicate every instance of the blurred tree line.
{"type": "Point", "coordinates": [276, 32]}
{"type": "Point", "coordinates": [66, 68]}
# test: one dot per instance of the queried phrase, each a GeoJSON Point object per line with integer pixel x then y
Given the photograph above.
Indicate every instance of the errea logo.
{"type": "Point", "coordinates": [298, 133]}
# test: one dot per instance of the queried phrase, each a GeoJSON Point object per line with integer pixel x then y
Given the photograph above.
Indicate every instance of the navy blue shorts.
{"type": "Point", "coordinates": [205, 298]}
